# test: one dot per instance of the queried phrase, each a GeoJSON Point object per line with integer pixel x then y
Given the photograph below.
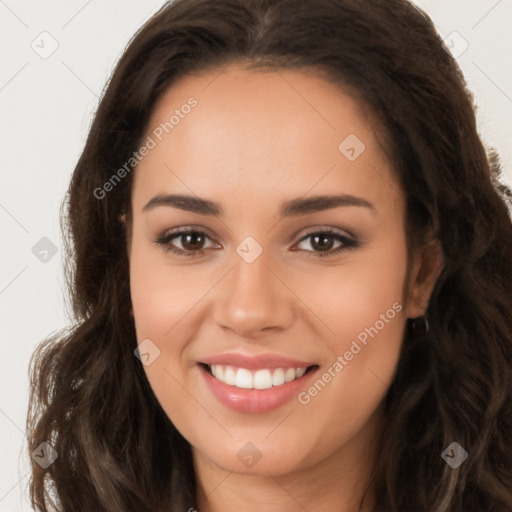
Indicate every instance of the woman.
{"type": "Point", "coordinates": [292, 275]}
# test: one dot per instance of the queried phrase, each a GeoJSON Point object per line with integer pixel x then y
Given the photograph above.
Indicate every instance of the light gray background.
{"type": "Point", "coordinates": [47, 106]}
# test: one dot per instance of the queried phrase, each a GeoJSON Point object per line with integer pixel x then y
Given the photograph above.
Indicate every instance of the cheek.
{"type": "Point", "coordinates": [162, 294]}
{"type": "Point", "coordinates": [351, 298]}
{"type": "Point", "coordinates": [365, 313]}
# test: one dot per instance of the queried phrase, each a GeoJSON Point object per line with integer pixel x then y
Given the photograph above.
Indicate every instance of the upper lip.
{"type": "Point", "coordinates": [255, 362]}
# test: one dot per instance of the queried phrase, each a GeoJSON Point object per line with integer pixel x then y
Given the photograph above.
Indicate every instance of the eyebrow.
{"type": "Point", "coordinates": [294, 207]}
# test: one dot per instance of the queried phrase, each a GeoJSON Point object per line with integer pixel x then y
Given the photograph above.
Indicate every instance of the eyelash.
{"type": "Point", "coordinates": [164, 242]}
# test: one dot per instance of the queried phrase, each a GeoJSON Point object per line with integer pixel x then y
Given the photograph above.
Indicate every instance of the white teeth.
{"type": "Point", "coordinates": [229, 376]}
{"type": "Point", "coordinates": [300, 372]}
{"type": "Point", "coordinates": [243, 379]}
{"type": "Point", "coordinates": [289, 375]}
{"type": "Point", "coordinates": [278, 377]}
{"type": "Point", "coordinates": [260, 379]}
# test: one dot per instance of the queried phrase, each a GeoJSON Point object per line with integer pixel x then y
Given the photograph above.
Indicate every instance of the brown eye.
{"type": "Point", "coordinates": [322, 242]}
{"type": "Point", "coordinates": [192, 241]}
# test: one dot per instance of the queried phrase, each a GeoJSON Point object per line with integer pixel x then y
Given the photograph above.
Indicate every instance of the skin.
{"type": "Point", "coordinates": [254, 141]}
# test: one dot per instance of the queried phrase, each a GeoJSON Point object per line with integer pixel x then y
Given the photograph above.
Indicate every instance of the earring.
{"type": "Point", "coordinates": [420, 326]}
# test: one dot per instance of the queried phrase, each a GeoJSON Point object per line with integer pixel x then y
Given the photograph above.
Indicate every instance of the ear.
{"type": "Point", "coordinates": [425, 269]}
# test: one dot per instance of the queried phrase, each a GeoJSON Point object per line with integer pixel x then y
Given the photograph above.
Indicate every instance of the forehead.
{"type": "Point", "coordinates": [261, 131]}
{"type": "Point", "coordinates": [268, 100]}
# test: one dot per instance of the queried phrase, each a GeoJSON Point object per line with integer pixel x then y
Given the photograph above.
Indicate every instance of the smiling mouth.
{"type": "Point", "coordinates": [263, 378]}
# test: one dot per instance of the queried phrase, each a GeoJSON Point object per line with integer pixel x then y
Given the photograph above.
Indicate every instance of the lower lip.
{"type": "Point", "coordinates": [255, 400]}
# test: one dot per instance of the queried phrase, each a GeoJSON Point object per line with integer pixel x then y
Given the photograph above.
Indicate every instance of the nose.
{"type": "Point", "coordinates": [253, 299]}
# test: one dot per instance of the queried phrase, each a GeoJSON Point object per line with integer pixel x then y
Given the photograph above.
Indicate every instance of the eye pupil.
{"type": "Point", "coordinates": [192, 246]}
{"type": "Point", "coordinates": [325, 244]}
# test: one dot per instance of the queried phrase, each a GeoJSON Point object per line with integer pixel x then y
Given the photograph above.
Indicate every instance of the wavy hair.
{"type": "Point", "coordinates": [90, 399]}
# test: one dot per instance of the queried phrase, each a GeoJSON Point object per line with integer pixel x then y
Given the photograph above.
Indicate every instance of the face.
{"type": "Point", "coordinates": [288, 284]}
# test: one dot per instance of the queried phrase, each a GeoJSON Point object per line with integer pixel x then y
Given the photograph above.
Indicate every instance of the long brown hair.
{"type": "Point", "coordinates": [90, 399]}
